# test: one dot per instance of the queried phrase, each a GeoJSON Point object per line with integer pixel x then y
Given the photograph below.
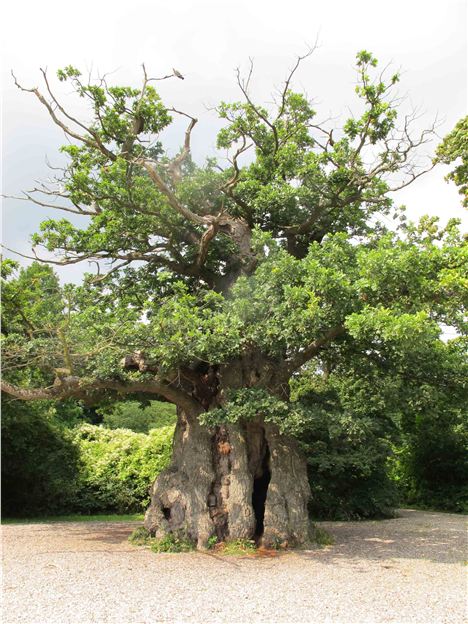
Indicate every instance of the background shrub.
{"type": "Point", "coordinates": [50, 468]}
{"type": "Point", "coordinates": [430, 467]}
{"type": "Point", "coordinates": [118, 466]}
{"type": "Point", "coordinates": [347, 468]}
{"type": "Point", "coordinates": [40, 462]}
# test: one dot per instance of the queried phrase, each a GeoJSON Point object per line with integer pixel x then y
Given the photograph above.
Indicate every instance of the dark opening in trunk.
{"type": "Point", "coordinates": [259, 493]}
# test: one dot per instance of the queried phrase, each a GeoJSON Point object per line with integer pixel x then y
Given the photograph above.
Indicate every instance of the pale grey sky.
{"type": "Point", "coordinates": [206, 41]}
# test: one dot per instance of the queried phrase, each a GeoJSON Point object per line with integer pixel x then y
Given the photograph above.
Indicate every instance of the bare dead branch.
{"type": "Point", "coordinates": [412, 177]}
{"type": "Point", "coordinates": [44, 260]}
{"type": "Point", "coordinates": [28, 197]}
{"type": "Point", "coordinates": [231, 183]}
{"type": "Point", "coordinates": [175, 166]}
{"type": "Point", "coordinates": [244, 86]}
{"type": "Point", "coordinates": [68, 131]}
{"type": "Point", "coordinates": [287, 82]}
{"type": "Point", "coordinates": [59, 106]}
{"type": "Point", "coordinates": [151, 168]}
{"type": "Point", "coordinates": [205, 243]}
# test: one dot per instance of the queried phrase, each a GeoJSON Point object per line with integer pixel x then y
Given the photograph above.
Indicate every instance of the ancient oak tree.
{"type": "Point", "coordinates": [218, 285]}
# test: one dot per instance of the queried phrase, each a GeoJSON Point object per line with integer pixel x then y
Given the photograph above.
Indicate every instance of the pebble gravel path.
{"type": "Point", "coordinates": [410, 569]}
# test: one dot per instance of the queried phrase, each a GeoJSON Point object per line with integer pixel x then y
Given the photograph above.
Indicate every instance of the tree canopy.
{"type": "Point", "coordinates": [217, 286]}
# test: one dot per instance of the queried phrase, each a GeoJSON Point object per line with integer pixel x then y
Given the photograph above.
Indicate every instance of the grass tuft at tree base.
{"type": "Point", "coordinates": [235, 547]}
{"type": "Point", "coordinates": [169, 544]}
{"type": "Point", "coordinates": [321, 536]}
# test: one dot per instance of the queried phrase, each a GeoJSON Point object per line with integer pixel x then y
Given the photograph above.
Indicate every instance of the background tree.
{"type": "Point", "coordinates": [138, 416]}
{"type": "Point", "coordinates": [223, 286]}
{"type": "Point", "coordinates": [454, 148]}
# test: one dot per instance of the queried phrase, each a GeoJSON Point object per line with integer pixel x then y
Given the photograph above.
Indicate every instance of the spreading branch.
{"type": "Point", "coordinates": [312, 349]}
{"type": "Point", "coordinates": [175, 167]}
{"type": "Point", "coordinates": [74, 387]}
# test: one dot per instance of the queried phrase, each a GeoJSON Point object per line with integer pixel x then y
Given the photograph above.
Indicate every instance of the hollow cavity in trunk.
{"type": "Point", "coordinates": [258, 454]}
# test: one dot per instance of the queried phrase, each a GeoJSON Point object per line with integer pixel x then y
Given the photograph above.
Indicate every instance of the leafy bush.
{"type": "Point", "coordinates": [49, 469]}
{"type": "Point", "coordinates": [430, 467]}
{"type": "Point", "coordinates": [40, 462]}
{"type": "Point", "coordinates": [118, 466]}
{"type": "Point", "coordinates": [351, 495]}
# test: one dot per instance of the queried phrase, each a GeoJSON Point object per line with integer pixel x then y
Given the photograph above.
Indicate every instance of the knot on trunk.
{"type": "Point", "coordinates": [205, 383]}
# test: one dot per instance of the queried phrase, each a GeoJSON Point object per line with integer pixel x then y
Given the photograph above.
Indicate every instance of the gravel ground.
{"type": "Point", "coordinates": [411, 569]}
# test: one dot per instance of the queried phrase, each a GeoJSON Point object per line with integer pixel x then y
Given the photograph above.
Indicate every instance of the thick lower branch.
{"type": "Point", "coordinates": [74, 387]}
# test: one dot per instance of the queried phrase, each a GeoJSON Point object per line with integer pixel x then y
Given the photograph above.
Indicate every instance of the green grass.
{"type": "Point", "coordinates": [168, 544]}
{"type": "Point", "coordinates": [237, 547]}
{"type": "Point", "coordinates": [140, 537]}
{"type": "Point", "coordinates": [321, 537]}
{"type": "Point", "coordinates": [416, 507]}
{"type": "Point", "coordinates": [76, 518]}
{"type": "Point", "coordinates": [171, 544]}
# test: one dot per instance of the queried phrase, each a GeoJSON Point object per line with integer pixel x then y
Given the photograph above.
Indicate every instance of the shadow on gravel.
{"type": "Point", "coordinates": [107, 533]}
{"type": "Point", "coordinates": [429, 536]}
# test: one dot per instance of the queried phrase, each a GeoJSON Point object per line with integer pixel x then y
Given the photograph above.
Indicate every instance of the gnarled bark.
{"type": "Point", "coordinates": [238, 481]}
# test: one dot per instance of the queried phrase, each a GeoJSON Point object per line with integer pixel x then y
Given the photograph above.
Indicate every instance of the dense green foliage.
{"type": "Point", "coordinates": [431, 462]}
{"type": "Point", "coordinates": [430, 468]}
{"type": "Point", "coordinates": [290, 233]}
{"type": "Point", "coordinates": [40, 463]}
{"type": "Point", "coordinates": [347, 443]}
{"type": "Point", "coordinates": [118, 466]}
{"type": "Point", "coordinates": [48, 468]}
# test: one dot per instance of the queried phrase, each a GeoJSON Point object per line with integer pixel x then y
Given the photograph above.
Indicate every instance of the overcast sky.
{"type": "Point", "coordinates": [206, 41]}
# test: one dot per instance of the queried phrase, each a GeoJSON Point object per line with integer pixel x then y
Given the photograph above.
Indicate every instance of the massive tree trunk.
{"type": "Point", "coordinates": [235, 481]}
